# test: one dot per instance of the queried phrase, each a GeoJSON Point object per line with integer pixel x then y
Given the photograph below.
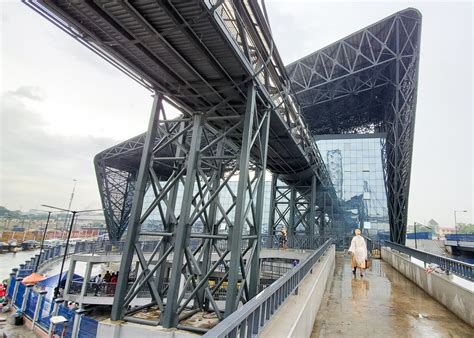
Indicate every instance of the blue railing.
{"type": "Point", "coordinates": [88, 328]}
{"type": "Point", "coordinates": [46, 310]}
{"type": "Point", "coordinates": [31, 304]}
{"type": "Point", "coordinates": [461, 269]}
{"type": "Point", "coordinates": [249, 319]}
{"type": "Point", "coordinates": [420, 235]}
{"type": "Point", "coordinates": [460, 237]}
{"type": "Point", "coordinates": [87, 324]}
{"type": "Point", "coordinates": [19, 295]}
{"type": "Point", "coordinates": [69, 315]}
{"type": "Point", "coordinates": [11, 286]}
{"type": "Point", "coordinates": [46, 307]}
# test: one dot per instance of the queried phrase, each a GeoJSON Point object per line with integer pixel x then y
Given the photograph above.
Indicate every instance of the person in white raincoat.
{"type": "Point", "coordinates": [358, 250]}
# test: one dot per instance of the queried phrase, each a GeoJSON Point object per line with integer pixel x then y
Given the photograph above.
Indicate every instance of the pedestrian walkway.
{"type": "Point", "coordinates": [382, 304]}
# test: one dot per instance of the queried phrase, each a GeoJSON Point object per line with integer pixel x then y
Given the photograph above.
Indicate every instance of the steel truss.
{"type": "Point", "coordinates": [216, 61]}
{"type": "Point", "coordinates": [367, 83]}
{"type": "Point", "coordinates": [303, 215]}
{"type": "Point", "coordinates": [203, 163]}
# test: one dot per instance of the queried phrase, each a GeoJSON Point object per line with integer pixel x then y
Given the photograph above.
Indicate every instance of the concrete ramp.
{"type": "Point", "coordinates": [382, 304]}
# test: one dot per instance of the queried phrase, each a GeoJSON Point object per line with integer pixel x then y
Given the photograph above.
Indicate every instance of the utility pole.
{"type": "Point", "coordinates": [69, 205]}
{"type": "Point", "coordinates": [73, 212]}
{"type": "Point", "coordinates": [45, 231]}
{"type": "Point", "coordinates": [456, 225]}
{"type": "Point", "coordinates": [414, 225]}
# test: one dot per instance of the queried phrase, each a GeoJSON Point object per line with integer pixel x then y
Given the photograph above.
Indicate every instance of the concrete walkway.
{"type": "Point", "coordinates": [11, 331]}
{"type": "Point", "coordinates": [382, 304]}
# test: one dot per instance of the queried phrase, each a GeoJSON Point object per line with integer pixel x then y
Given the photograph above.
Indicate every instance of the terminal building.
{"type": "Point", "coordinates": [358, 99]}
{"type": "Point", "coordinates": [264, 155]}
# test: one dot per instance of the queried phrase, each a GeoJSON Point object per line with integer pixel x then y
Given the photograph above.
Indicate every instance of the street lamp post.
{"type": "Point", "coordinates": [456, 225]}
{"type": "Point", "coordinates": [414, 226]}
{"type": "Point", "coordinates": [69, 206]}
{"type": "Point", "coordinates": [74, 212]}
{"type": "Point", "coordinates": [45, 231]}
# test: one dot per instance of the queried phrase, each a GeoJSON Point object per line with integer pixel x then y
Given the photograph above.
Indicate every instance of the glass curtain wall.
{"type": "Point", "coordinates": [355, 165]}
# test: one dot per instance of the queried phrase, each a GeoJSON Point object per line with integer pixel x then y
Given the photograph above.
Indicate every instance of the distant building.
{"type": "Point", "coordinates": [433, 225]}
{"type": "Point", "coordinates": [443, 231]}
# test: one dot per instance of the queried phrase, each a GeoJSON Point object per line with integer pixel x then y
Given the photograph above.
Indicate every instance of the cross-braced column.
{"type": "Point", "coordinates": [134, 226]}
{"type": "Point", "coordinates": [294, 210]}
{"type": "Point", "coordinates": [244, 205]}
{"type": "Point", "coordinates": [190, 155]}
{"type": "Point", "coordinates": [183, 229]}
{"type": "Point", "coordinates": [400, 116]}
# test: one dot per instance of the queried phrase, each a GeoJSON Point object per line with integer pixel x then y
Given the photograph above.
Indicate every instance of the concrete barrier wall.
{"type": "Point", "coordinates": [456, 298]}
{"type": "Point", "coordinates": [297, 315]}
{"type": "Point", "coordinates": [120, 329]}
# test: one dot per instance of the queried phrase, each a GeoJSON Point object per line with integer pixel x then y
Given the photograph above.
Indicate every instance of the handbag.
{"type": "Point", "coordinates": [368, 263]}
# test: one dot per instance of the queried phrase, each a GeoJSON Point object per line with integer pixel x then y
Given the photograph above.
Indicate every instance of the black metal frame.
{"type": "Point", "coordinates": [216, 62]}
{"type": "Point", "coordinates": [367, 83]}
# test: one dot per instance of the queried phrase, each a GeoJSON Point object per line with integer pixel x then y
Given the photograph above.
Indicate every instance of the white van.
{"type": "Point", "coordinates": [50, 243]}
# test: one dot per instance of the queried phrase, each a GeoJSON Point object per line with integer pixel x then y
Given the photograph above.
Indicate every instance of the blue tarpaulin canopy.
{"type": "Point", "coordinates": [52, 281]}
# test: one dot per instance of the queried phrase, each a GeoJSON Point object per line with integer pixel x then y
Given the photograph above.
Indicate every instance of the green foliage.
{"type": "Point", "coordinates": [465, 228]}
{"type": "Point", "coordinates": [4, 212]}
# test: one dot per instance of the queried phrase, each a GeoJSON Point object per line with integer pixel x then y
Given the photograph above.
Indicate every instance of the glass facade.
{"type": "Point", "coordinates": [355, 165]}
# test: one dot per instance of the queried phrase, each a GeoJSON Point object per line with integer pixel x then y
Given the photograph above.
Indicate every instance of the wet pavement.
{"type": "Point", "coordinates": [382, 304]}
{"type": "Point", "coordinates": [9, 330]}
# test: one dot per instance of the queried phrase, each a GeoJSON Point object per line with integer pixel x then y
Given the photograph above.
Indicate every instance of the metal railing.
{"type": "Point", "coordinates": [273, 270]}
{"type": "Point", "coordinates": [248, 320]}
{"type": "Point", "coordinates": [461, 269]}
{"type": "Point", "coordinates": [372, 244]}
{"type": "Point", "coordinates": [460, 237]}
{"type": "Point", "coordinates": [298, 241]}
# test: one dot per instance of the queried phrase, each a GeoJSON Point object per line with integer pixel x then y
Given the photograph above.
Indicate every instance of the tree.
{"type": "Point", "coordinates": [465, 228]}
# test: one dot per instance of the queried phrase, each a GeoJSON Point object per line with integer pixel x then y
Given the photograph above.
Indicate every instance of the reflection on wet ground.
{"type": "Point", "coordinates": [382, 304]}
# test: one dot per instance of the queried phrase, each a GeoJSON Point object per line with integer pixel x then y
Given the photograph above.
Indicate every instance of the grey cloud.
{"type": "Point", "coordinates": [30, 92]}
{"type": "Point", "coordinates": [38, 167]}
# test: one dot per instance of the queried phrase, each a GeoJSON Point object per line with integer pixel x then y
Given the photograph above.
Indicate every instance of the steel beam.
{"type": "Point", "coordinates": [183, 229]}
{"type": "Point", "coordinates": [254, 275]}
{"type": "Point", "coordinates": [117, 312]}
{"type": "Point", "coordinates": [235, 234]}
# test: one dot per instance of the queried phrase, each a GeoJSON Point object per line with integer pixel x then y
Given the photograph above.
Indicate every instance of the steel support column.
{"type": "Point", "coordinates": [312, 210]}
{"type": "Point", "coordinates": [183, 229]}
{"type": "Point", "coordinates": [272, 211]}
{"type": "Point", "coordinates": [255, 259]}
{"type": "Point", "coordinates": [117, 312]}
{"type": "Point", "coordinates": [235, 234]}
{"type": "Point", "coordinates": [292, 218]}
{"type": "Point", "coordinates": [213, 227]}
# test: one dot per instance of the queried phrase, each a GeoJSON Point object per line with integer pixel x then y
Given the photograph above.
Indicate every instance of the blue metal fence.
{"type": "Point", "coordinates": [31, 304]}
{"type": "Point", "coordinates": [45, 313]}
{"type": "Point", "coordinates": [24, 272]}
{"type": "Point", "coordinates": [69, 315]}
{"type": "Point", "coordinates": [11, 287]}
{"type": "Point", "coordinates": [461, 237]}
{"type": "Point", "coordinates": [88, 327]}
{"type": "Point", "coordinates": [420, 235]}
{"type": "Point", "coordinates": [19, 295]}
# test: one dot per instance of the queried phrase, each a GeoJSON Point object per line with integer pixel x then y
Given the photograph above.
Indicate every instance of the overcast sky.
{"type": "Point", "coordinates": [61, 104]}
